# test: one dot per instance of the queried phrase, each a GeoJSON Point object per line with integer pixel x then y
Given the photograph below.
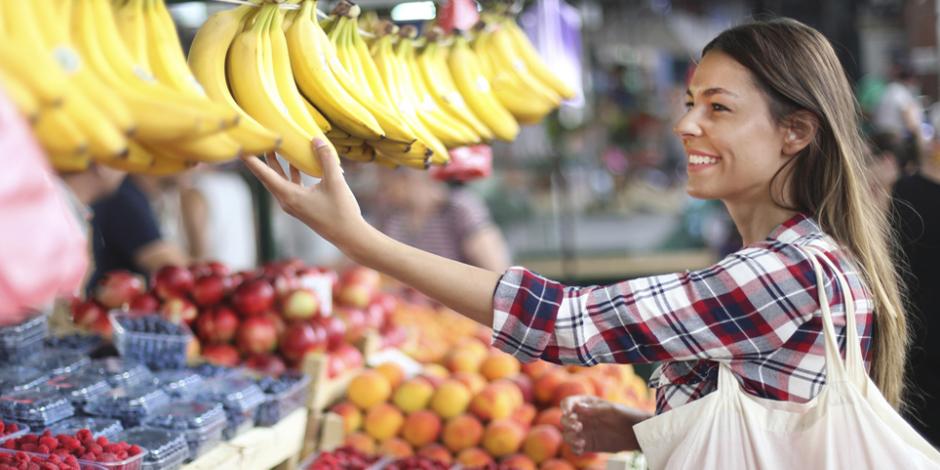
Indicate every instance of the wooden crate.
{"type": "Point", "coordinates": [268, 447]}
{"type": "Point", "coordinates": [332, 432]}
{"type": "Point", "coordinates": [223, 455]}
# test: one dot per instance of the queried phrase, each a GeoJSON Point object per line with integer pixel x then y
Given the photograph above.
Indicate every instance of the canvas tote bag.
{"type": "Point", "coordinates": [849, 425]}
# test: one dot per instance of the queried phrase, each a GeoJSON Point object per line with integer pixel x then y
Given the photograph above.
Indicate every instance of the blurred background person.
{"type": "Point", "coordinates": [917, 212]}
{"type": "Point", "coordinates": [899, 112]}
{"type": "Point", "coordinates": [884, 167]}
{"type": "Point", "coordinates": [449, 221]}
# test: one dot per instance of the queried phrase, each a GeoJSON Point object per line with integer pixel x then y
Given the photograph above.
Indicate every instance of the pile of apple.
{"type": "Point", "coordinates": [479, 408]}
{"type": "Point", "coordinates": [268, 319]}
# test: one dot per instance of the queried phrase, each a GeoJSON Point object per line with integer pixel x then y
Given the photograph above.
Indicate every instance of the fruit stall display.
{"type": "Point", "coordinates": [107, 81]}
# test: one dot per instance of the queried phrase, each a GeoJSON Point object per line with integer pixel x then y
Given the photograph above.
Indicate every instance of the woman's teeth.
{"type": "Point", "coordinates": [702, 160]}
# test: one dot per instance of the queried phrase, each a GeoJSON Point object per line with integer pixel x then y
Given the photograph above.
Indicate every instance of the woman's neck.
{"type": "Point", "coordinates": [756, 220]}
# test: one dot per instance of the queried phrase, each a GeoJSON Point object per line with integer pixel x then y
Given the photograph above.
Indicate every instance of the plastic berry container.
{"type": "Point", "coordinates": [121, 372]}
{"type": "Point", "coordinates": [200, 422]}
{"type": "Point", "coordinates": [7, 455]}
{"type": "Point", "coordinates": [18, 341]}
{"type": "Point", "coordinates": [38, 407]}
{"type": "Point", "coordinates": [14, 378]}
{"type": "Point", "coordinates": [12, 430]}
{"type": "Point", "coordinates": [80, 387]}
{"type": "Point", "coordinates": [109, 428]}
{"type": "Point", "coordinates": [132, 405]}
{"type": "Point", "coordinates": [166, 450]}
{"type": "Point", "coordinates": [58, 361]}
{"type": "Point", "coordinates": [80, 343]}
{"type": "Point", "coordinates": [151, 339]}
{"type": "Point", "coordinates": [178, 383]}
{"type": "Point", "coordinates": [282, 396]}
{"type": "Point", "coordinates": [241, 398]}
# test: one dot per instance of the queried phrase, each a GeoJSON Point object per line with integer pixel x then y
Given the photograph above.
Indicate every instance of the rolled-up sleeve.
{"type": "Point", "coordinates": [745, 306]}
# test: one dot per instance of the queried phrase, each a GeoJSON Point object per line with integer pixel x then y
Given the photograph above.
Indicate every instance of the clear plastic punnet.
{"type": "Point", "coordinates": [37, 407]}
{"type": "Point", "coordinates": [129, 464]}
{"type": "Point", "coordinates": [14, 378]}
{"type": "Point", "coordinates": [12, 430]}
{"type": "Point", "coordinates": [282, 395]}
{"type": "Point", "coordinates": [58, 361]}
{"type": "Point", "coordinates": [132, 405]}
{"type": "Point", "coordinates": [202, 423]}
{"type": "Point", "coordinates": [152, 340]}
{"type": "Point", "coordinates": [166, 450]}
{"type": "Point", "coordinates": [178, 383]}
{"type": "Point", "coordinates": [80, 387]}
{"type": "Point", "coordinates": [107, 427]}
{"type": "Point", "coordinates": [121, 372]}
{"type": "Point", "coordinates": [240, 396]}
{"type": "Point", "coordinates": [81, 343]}
{"type": "Point", "coordinates": [18, 341]}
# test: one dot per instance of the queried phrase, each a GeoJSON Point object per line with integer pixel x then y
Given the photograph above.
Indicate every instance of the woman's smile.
{"type": "Point", "coordinates": [699, 161]}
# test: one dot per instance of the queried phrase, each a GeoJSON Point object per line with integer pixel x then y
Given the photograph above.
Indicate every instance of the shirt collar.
{"type": "Point", "coordinates": [793, 228]}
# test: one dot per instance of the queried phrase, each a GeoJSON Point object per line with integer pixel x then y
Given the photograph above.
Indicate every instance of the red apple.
{"type": "Point", "coordinates": [217, 324]}
{"type": "Point", "coordinates": [375, 316]}
{"type": "Point", "coordinates": [335, 331]}
{"type": "Point", "coordinates": [86, 312]}
{"type": "Point", "coordinates": [218, 268]}
{"type": "Point", "coordinates": [117, 288]}
{"type": "Point", "coordinates": [145, 303]}
{"type": "Point", "coordinates": [279, 324]}
{"type": "Point", "coordinates": [300, 304]}
{"type": "Point", "coordinates": [253, 297]}
{"type": "Point", "coordinates": [267, 364]}
{"type": "Point", "coordinates": [357, 286]}
{"type": "Point", "coordinates": [335, 365]}
{"type": "Point", "coordinates": [284, 283]}
{"type": "Point", "coordinates": [209, 290]}
{"type": "Point", "coordinates": [355, 320]}
{"type": "Point", "coordinates": [257, 335]}
{"type": "Point", "coordinates": [178, 310]}
{"type": "Point", "coordinates": [221, 354]}
{"type": "Point", "coordinates": [301, 338]}
{"type": "Point", "coordinates": [352, 357]}
{"type": "Point", "coordinates": [199, 269]}
{"type": "Point", "coordinates": [173, 281]}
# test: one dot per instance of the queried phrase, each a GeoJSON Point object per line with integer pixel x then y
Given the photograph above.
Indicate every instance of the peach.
{"type": "Point", "coordinates": [435, 370]}
{"type": "Point", "coordinates": [474, 457]}
{"type": "Point", "coordinates": [499, 365]}
{"type": "Point", "coordinates": [556, 464]}
{"type": "Point", "coordinates": [524, 415]}
{"type": "Point", "coordinates": [361, 442]}
{"type": "Point", "coordinates": [545, 385]}
{"type": "Point", "coordinates": [585, 460]}
{"type": "Point", "coordinates": [413, 395]}
{"type": "Point", "coordinates": [352, 417]}
{"type": "Point", "coordinates": [571, 387]}
{"type": "Point", "coordinates": [517, 462]}
{"type": "Point", "coordinates": [462, 432]}
{"type": "Point", "coordinates": [503, 437]}
{"type": "Point", "coordinates": [450, 399]}
{"type": "Point", "coordinates": [535, 369]}
{"type": "Point", "coordinates": [421, 428]}
{"type": "Point", "coordinates": [493, 402]}
{"type": "Point", "coordinates": [473, 346]}
{"type": "Point", "coordinates": [550, 416]}
{"type": "Point", "coordinates": [517, 398]}
{"type": "Point", "coordinates": [396, 447]}
{"type": "Point", "coordinates": [542, 443]}
{"type": "Point", "coordinates": [392, 372]}
{"type": "Point", "coordinates": [437, 452]}
{"type": "Point", "coordinates": [369, 388]}
{"type": "Point", "coordinates": [460, 360]}
{"type": "Point", "coordinates": [474, 381]}
{"type": "Point", "coordinates": [383, 421]}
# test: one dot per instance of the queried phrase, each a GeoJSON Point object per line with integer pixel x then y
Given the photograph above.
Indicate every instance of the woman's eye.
{"type": "Point", "coordinates": [688, 105]}
{"type": "Point", "coordinates": [718, 107]}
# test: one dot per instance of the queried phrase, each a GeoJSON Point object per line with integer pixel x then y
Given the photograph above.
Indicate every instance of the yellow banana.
{"type": "Point", "coordinates": [318, 117]}
{"type": "Point", "coordinates": [59, 134]}
{"type": "Point", "coordinates": [526, 51]}
{"type": "Point", "coordinates": [207, 63]}
{"type": "Point", "coordinates": [475, 88]}
{"type": "Point", "coordinates": [21, 96]}
{"type": "Point", "coordinates": [69, 163]}
{"type": "Point", "coordinates": [310, 61]}
{"type": "Point", "coordinates": [357, 153]}
{"type": "Point", "coordinates": [437, 77]}
{"type": "Point", "coordinates": [43, 78]}
{"type": "Point", "coordinates": [256, 92]}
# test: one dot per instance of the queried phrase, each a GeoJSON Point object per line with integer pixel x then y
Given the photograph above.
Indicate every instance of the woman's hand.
{"type": "Point", "coordinates": [590, 424]}
{"type": "Point", "coordinates": [328, 207]}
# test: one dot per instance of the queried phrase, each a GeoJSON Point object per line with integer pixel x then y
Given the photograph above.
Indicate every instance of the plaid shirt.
{"type": "Point", "coordinates": [756, 310]}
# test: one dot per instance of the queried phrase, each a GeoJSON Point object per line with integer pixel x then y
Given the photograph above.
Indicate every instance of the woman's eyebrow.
{"type": "Point", "coordinates": [712, 91]}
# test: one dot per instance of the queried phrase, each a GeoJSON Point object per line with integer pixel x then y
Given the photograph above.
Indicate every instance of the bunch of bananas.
{"type": "Point", "coordinates": [106, 81]}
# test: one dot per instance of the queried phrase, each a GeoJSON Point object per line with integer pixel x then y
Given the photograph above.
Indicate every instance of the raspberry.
{"type": "Point", "coordinates": [84, 434]}
{"type": "Point", "coordinates": [42, 449]}
{"type": "Point", "coordinates": [12, 428]}
{"type": "Point", "coordinates": [29, 447]}
{"type": "Point", "coordinates": [10, 445]}
{"type": "Point", "coordinates": [95, 449]}
{"type": "Point", "coordinates": [102, 441]}
{"type": "Point", "coordinates": [107, 457]}
{"type": "Point", "coordinates": [88, 456]}
{"type": "Point", "coordinates": [134, 449]}
{"type": "Point", "coordinates": [49, 442]}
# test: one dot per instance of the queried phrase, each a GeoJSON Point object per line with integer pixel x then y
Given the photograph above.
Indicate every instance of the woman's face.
{"type": "Point", "coordinates": [733, 146]}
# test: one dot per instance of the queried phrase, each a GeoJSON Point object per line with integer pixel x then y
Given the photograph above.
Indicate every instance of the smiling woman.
{"type": "Point", "coordinates": [772, 131]}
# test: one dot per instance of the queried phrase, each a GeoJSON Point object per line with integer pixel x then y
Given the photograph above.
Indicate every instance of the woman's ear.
{"type": "Point", "coordinates": [799, 131]}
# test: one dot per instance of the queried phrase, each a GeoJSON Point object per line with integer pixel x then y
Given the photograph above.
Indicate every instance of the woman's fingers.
{"type": "Point", "coordinates": [269, 177]}
{"type": "Point", "coordinates": [295, 176]}
{"type": "Point", "coordinates": [271, 159]}
{"type": "Point", "coordinates": [328, 160]}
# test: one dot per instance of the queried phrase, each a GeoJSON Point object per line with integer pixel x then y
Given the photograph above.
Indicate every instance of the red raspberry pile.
{"type": "Point", "coordinates": [344, 458]}
{"type": "Point", "coordinates": [416, 462]}
{"type": "Point", "coordinates": [8, 428]}
{"type": "Point", "coordinates": [22, 461]}
{"type": "Point", "coordinates": [82, 445]}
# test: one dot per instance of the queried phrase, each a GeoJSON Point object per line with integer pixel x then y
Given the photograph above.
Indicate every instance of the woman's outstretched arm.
{"type": "Point", "coordinates": [330, 209]}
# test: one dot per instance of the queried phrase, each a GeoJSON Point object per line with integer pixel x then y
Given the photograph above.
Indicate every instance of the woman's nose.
{"type": "Point", "coordinates": [687, 125]}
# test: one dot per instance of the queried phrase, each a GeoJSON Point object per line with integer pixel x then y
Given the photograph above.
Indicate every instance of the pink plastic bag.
{"type": "Point", "coordinates": [43, 252]}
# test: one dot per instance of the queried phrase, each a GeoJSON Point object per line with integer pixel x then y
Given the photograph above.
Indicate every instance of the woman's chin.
{"type": "Point", "coordinates": [699, 192]}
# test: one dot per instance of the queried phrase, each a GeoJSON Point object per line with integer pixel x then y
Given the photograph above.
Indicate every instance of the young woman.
{"type": "Point", "coordinates": [772, 131]}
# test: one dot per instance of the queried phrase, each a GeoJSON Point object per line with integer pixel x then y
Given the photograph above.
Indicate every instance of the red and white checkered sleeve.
{"type": "Point", "coordinates": [746, 305]}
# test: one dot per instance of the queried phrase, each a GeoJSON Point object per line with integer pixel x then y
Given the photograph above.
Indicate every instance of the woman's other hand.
{"type": "Point", "coordinates": [591, 424]}
{"type": "Point", "coordinates": [328, 207]}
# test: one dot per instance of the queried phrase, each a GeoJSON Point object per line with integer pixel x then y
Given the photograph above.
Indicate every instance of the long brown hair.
{"type": "Point", "coordinates": [797, 68]}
